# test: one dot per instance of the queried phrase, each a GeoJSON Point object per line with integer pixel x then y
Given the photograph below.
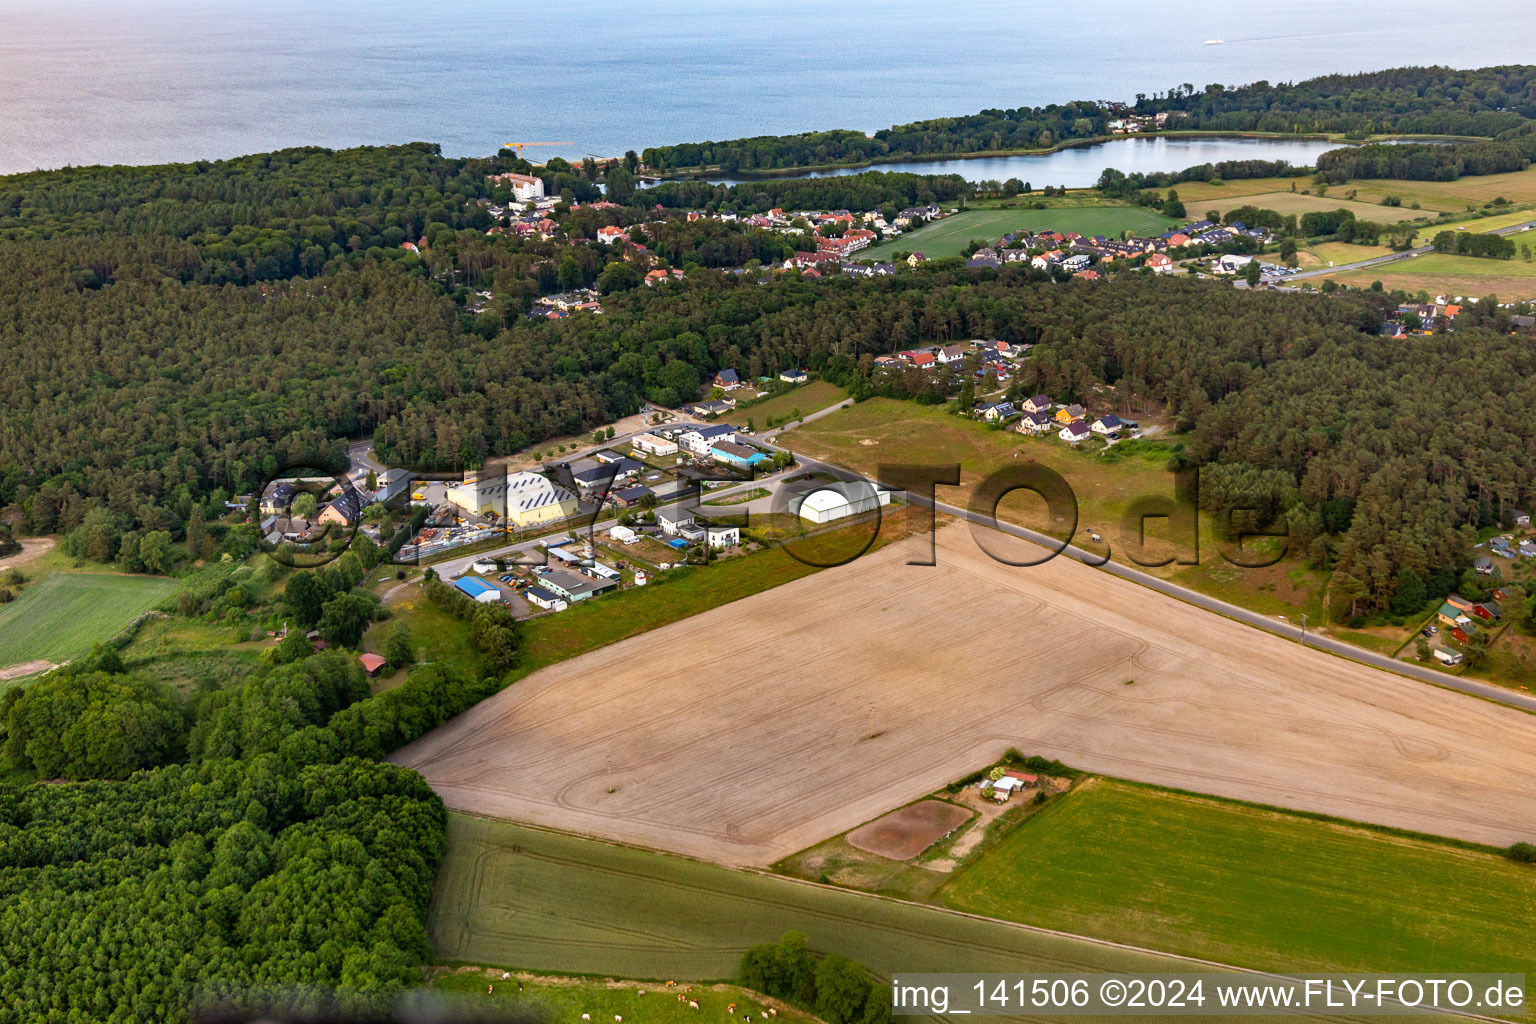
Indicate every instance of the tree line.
{"type": "Point", "coordinates": [1414, 100]}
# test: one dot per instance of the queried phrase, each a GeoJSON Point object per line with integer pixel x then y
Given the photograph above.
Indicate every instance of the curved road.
{"type": "Point", "coordinates": [1396, 257]}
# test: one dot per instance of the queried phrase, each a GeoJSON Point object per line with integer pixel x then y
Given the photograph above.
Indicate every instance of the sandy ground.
{"type": "Point", "coordinates": [32, 548]}
{"type": "Point", "coordinates": [26, 668]}
{"type": "Point", "coordinates": [760, 728]}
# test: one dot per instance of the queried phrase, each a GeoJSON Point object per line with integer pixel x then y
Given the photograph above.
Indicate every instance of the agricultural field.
{"type": "Point", "coordinates": [522, 897]}
{"type": "Point", "coordinates": [949, 237]}
{"type": "Point", "coordinates": [1249, 886]}
{"type": "Point", "coordinates": [727, 735]}
{"type": "Point", "coordinates": [1447, 274]}
{"type": "Point", "coordinates": [808, 398]}
{"type": "Point", "coordinates": [1322, 254]}
{"type": "Point", "coordinates": [60, 616]}
{"type": "Point", "coordinates": [1483, 224]}
{"type": "Point", "coordinates": [1295, 202]}
{"type": "Point", "coordinates": [1432, 196]}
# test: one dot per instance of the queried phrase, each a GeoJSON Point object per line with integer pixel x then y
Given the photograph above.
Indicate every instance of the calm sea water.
{"type": "Point", "coordinates": [141, 81]}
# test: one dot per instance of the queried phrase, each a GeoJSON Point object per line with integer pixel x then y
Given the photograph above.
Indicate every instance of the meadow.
{"type": "Point", "coordinates": [808, 398]}
{"type": "Point", "coordinates": [1251, 886]}
{"type": "Point", "coordinates": [1446, 274]}
{"type": "Point", "coordinates": [60, 616]}
{"type": "Point", "coordinates": [566, 999]}
{"type": "Point", "coordinates": [522, 897]}
{"type": "Point", "coordinates": [949, 237]}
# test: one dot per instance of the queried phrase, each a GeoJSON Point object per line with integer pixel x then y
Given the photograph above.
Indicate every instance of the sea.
{"type": "Point", "coordinates": [150, 81]}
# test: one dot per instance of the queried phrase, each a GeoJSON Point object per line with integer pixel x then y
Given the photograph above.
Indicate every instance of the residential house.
{"type": "Point", "coordinates": [525, 187]}
{"type": "Point", "coordinates": [721, 537]}
{"type": "Point", "coordinates": [794, 376]}
{"type": "Point", "coordinates": [1076, 264]}
{"type": "Point", "coordinates": [916, 258]}
{"type": "Point", "coordinates": [1160, 263]}
{"type": "Point", "coordinates": [673, 520]}
{"type": "Point", "coordinates": [924, 360]}
{"type": "Point", "coordinates": [611, 234]}
{"type": "Point", "coordinates": [700, 439]}
{"type": "Point", "coordinates": [1106, 425]}
{"type": "Point", "coordinates": [1033, 423]}
{"type": "Point", "coordinates": [1450, 615]}
{"type": "Point", "coordinates": [1074, 432]}
{"type": "Point", "coordinates": [1070, 413]}
{"type": "Point", "coordinates": [278, 497]}
{"type": "Point", "coordinates": [951, 354]}
{"type": "Point", "coordinates": [343, 509]}
{"type": "Point", "coordinates": [1038, 403]}
{"type": "Point", "coordinates": [726, 379]}
{"type": "Point", "coordinates": [1000, 413]}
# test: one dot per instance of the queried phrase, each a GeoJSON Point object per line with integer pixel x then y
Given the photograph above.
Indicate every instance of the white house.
{"type": "Point", "coordinates": [1448, 657]}
{"type": "Point", "coordinates": [1160, 263]}
{"type": "Point", "coordinates": [1074, 432]}
{"type": "Point", "coordinates": [673, 520]}
{"type": "Point", "coordinates": [1106, 425]}
{"type": "Point", "coordinates": [624, 535]}
{"type": "Point", "coordinates": [701, 439]}
{"type": "Point", "coordinates": [1033, 423]}
{"type": "Point", "coordinates": [721, 537]}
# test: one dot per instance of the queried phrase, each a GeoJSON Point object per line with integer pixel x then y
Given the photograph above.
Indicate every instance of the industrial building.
{"type": "Point", "coordinates": [839, 500]}
{"type": "Point", "coordinates": [524, 498]}
{"type": "Point", "coordinates": [477, 590]}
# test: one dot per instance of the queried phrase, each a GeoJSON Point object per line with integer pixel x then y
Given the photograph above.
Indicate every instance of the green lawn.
{"type": "Point", "coordinates": [948, 237]}
{"type": "Point", "coordinates": [808, 398]}
{"type": "Point", "coordinates": [1252, 887]}
{"type": "Point", "coordinates": [62, 615]}
{"type": "Point", "coordinates": [520, 897]}
{"type": "Point", "coordinates": [677, 594]}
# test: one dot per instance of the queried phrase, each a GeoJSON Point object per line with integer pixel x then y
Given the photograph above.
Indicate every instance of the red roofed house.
{"type": "Point", "coordinates": [610, 233]}
{"type": "Point", "coordinates": [924, 359]}
{"type": "Point", "coordinates": [1160, 263]}
{"type": "Point", "coordinates": [371, 664]}
{"type": "Point", "coordinates": [1177, 239]}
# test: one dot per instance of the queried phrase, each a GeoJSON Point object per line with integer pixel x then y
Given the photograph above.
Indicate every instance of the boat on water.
{"type": "Point", "coordinates": [1214, 42]}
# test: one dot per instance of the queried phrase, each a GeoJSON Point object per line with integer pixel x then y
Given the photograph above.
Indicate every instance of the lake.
{"type": "Point", "coordinates": [1080, 166]}
{"type": "Point", "coordinates": [144, 81]}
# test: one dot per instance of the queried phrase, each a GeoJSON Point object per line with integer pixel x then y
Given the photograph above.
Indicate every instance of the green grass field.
{"type": "Point", "coordinates": [678, 594]}
{"type": "Point", "coordinates": [808, 398]}
{"type": "Point", "coordinates": [62, 615]}
{"type": "Point", "coordinates": [1446, 274]}
{"type": "Point", "coordinates": [1252, 887]}
{"type": "Point", "coordinates": [948, 237]}
{"type": "Point", "coordinates": [1481, 224]}
{"type": "Point", "coordinates": [519, 897]}
{"type": "Point", "coordinates": [566, 999]}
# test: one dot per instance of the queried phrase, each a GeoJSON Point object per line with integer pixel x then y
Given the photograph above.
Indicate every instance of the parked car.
{"type": "Point", "coordinates": [506, 579]}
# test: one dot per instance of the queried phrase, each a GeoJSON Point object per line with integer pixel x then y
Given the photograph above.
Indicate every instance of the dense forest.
{"type": "Point", "coordinates": [1512, 150]}
{"type": "Point", "coordinates": [146, 385]}
{"type": "Point", "coordinates": [1416, 100]}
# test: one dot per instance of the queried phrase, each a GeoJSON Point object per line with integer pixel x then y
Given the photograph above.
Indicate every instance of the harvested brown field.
{"type": "Point", "coordinates": [908, 831]}
{"type": "Point", "coordinates": [737, 735]}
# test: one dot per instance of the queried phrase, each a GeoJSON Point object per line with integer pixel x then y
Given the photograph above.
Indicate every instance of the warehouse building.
{"type": "Point", "coordinates": [524, 498]}
{"type": "Point", "coordinates": [573, 587]}
{"type": "Point", "coordinates": [477, 590]}
{"type": "Point", "coordinates": [840, 500]}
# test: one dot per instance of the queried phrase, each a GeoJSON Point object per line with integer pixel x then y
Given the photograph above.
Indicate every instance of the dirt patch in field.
{"type": "Point", "coordinates": [26, 668]}
{"type": "Point", "coordinates": [32, 548]}
{"type": "Point", "coordinates": [908, 831]}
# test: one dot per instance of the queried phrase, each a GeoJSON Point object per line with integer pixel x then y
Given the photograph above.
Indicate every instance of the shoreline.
{"type": "Point", "coordinates": [703, 174]}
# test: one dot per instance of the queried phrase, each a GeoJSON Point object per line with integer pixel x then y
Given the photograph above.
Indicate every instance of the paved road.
{"type": "Point", "coordinates": [1395, 257]}
{"type": "Point", "coordinates": [1487, 691]}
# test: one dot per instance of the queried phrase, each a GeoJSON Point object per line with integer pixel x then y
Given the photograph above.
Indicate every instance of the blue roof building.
{"type": "Point", "coordinates": [476, 589]}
